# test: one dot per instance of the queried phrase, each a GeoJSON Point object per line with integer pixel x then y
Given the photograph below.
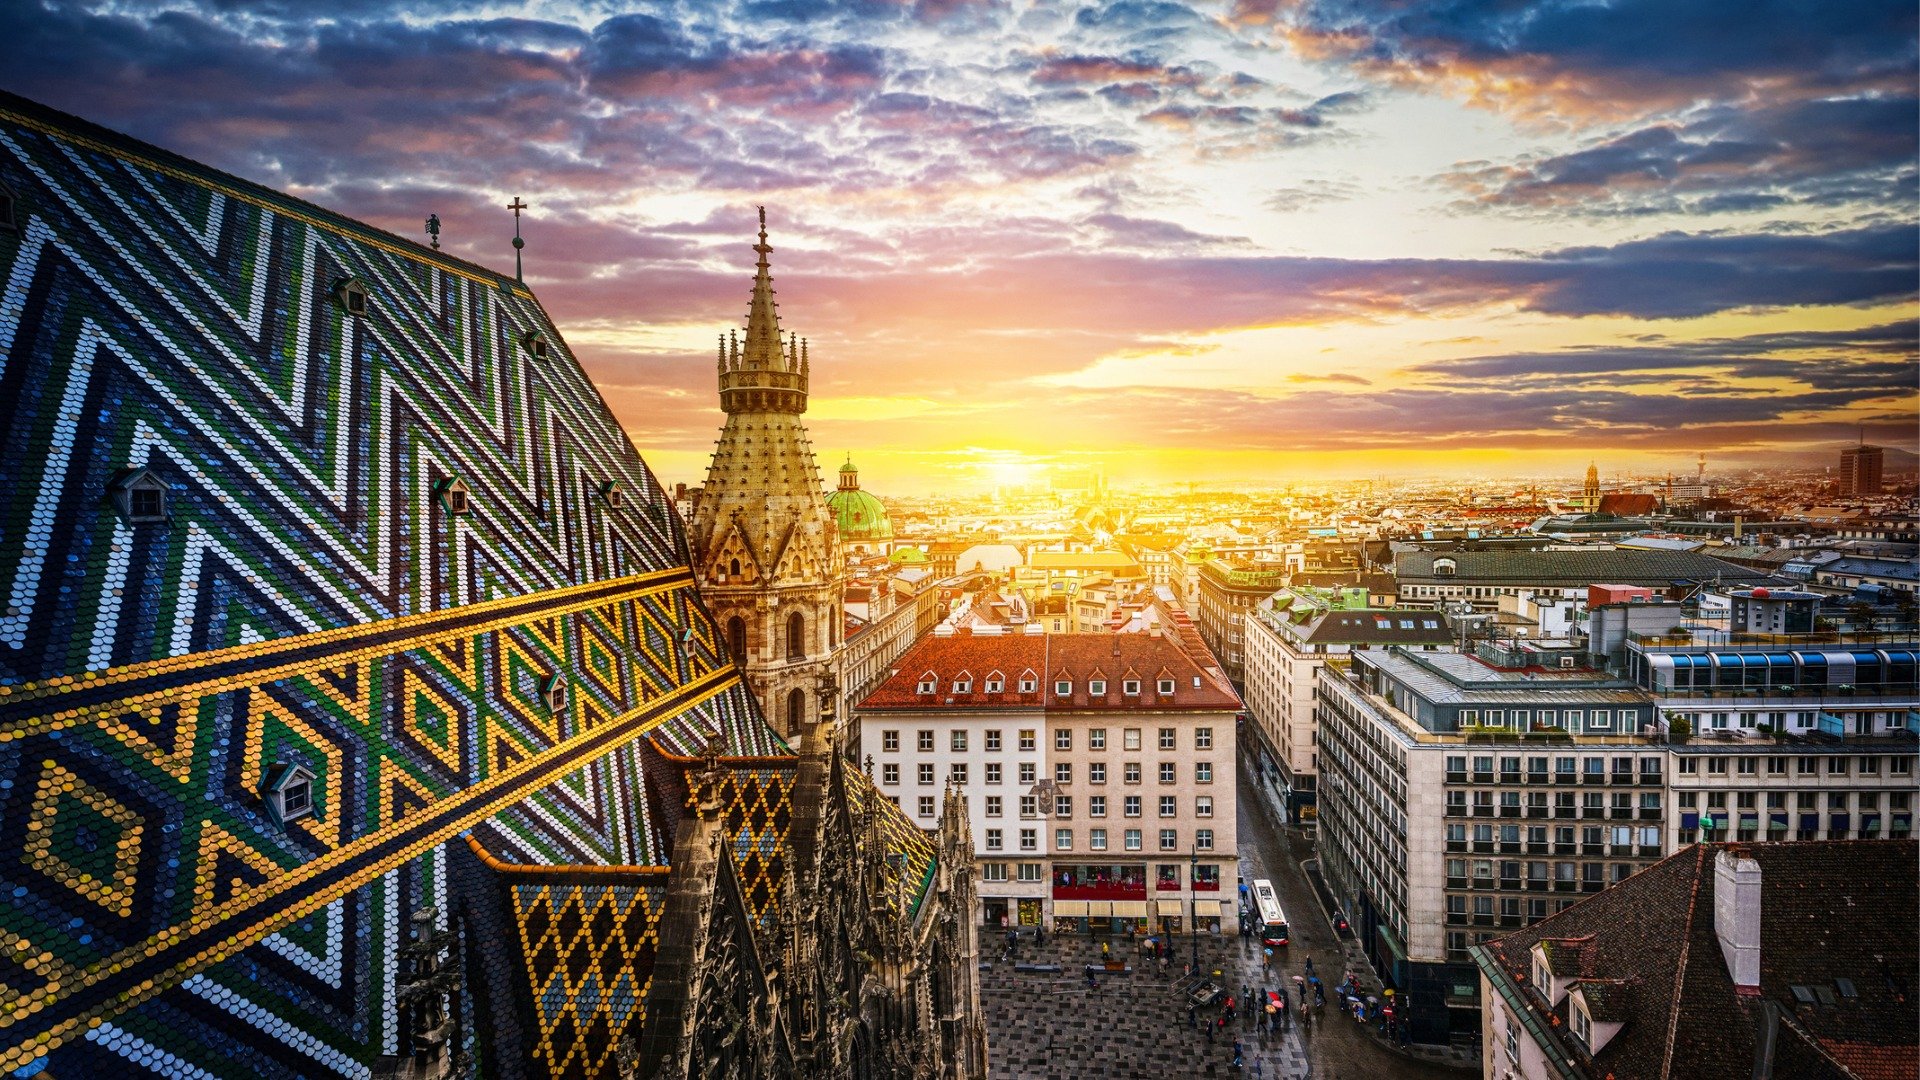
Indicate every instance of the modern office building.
{"type": "Point", "coordinates": [1225, 594]}
{"type": "Point", "coordinates": [1860, 470]}
{"type": "Point", "coordinates": [1458, 797]}
{"type": "Point", "coordinates": [1098, 770]}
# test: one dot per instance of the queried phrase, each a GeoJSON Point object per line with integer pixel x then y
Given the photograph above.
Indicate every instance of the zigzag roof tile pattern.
{"type": "Point", "coordinates": [398, 540]}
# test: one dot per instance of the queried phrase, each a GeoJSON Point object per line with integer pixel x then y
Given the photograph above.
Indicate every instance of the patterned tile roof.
{"type": "Point", "coordinates": [400, 542]}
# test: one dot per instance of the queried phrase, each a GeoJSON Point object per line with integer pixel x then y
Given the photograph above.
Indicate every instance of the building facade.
{"type": "Point", "coordinates": [1225, 594]}
{"type": "Point", "coordinates": [1861, 469]}
{"type": "Point", "coordinates": [1457, 798]}
{"type": "Point", "coordinates": [1099, 769]}
{"type": "Point", "coordinates": [1289, 637]}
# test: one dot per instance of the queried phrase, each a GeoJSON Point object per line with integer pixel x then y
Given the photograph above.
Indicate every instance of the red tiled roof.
{"type": "Point", "coordinates": [1076, 658]}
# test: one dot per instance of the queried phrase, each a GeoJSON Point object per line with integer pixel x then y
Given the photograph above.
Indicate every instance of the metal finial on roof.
{"type": "Point", "coordinates": [433, 230]}
{"type": "Point", "coordinates": [516, 206]}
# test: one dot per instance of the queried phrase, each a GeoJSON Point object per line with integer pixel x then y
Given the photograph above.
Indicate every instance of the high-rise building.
{"type": "Point", "coordinates": [1860, 469]}
{"type": "Point", "coordinates": [763, 539]}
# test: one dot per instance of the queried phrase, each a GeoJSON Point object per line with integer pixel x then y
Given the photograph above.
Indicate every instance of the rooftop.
{"type": "Point", "coordinates": [1838, 932]}
{"type": "Point", "coordinates": [971, 660]}
{"type": "Point", "coordinates": [1574, 568]}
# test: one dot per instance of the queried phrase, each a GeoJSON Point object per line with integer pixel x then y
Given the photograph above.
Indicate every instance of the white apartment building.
{"type": "Point", "coordinates": [1289, 637]}
{"type": "Point", "coordinates": [1098, 769]}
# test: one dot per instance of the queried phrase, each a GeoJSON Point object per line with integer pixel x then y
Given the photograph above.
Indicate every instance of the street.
{"type": "Point", "coordinates": [1054, 1025]}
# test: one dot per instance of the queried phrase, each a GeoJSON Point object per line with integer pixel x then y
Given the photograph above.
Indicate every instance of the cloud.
{"type": "Point", "coordinates": [1551, 59]}
{"type": "Point", "coordinates": [1721, 160]}
{"type": "Point", "coordinates": [1333, 376]}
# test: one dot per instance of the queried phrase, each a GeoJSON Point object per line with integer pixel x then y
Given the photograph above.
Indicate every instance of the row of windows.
{"type": "Point", "coordinates": [1130, 839]}
{"type": "Point", "coordinates": [1028, 739]}
{"type": "Point", "coordinates": [1803, 800]}
{"type": "Point", "coordinates": [1644, 835]}
{"type": "Point", "coordinates": [959, 772]}
{"type": "Point", "coordinates": [997, 684]}
{"type": "Point", "coordinates": [1562, 766]}
{"type": "Point", "coordinates": [1803, 765]}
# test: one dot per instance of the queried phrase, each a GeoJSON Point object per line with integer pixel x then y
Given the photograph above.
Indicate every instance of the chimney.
{"type": "Point", "coordinates": [1736, 915]}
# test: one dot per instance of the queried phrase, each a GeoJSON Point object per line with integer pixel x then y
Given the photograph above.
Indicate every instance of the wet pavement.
{"type": "Point", "coordinates": [1054, 1025]}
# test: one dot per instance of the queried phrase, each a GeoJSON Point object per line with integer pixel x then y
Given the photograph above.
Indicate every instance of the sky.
{"type": "Point", "coordinates": [1257, 240]}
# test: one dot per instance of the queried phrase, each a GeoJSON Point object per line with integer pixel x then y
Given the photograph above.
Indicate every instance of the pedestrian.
{"type": "Point", "coordinates": [1309, 965]}
{"type": "Point", "coordinates": [1193, 1017]}
{"type": "Point", "coordinates": [1103, 951]}
{"type": "Point", "coordinates": [1209, 1034]}
{"type": "Point", "coordinates": [1093, 984]}
{"type": "Point", "coordinates": [1039, 937]}
{"type": "Point", "coordinates": [1238, 1053]}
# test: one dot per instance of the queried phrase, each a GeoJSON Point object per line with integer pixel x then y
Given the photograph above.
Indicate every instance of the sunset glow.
{"type": "Point", "coordinates": [1173, 241]}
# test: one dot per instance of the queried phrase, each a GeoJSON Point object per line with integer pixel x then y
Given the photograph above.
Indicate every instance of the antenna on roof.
{"type": "Point", "coordinates": [516, 206]}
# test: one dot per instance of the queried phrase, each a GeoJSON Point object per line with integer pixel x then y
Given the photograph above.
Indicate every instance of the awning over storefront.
{"type": "Point", "coordinates": [1206, 909]}
{"type": "Point", "coordinates": [1902, 822]}
{"type": "Point", "coordinates": [1070, 907]}
{"type": "Point", "coordinates": [1172, 909]}
{"type": "Point", "coordinates": [1099, 909]}
{"type": "Point", "coordinates": [1129, 909]}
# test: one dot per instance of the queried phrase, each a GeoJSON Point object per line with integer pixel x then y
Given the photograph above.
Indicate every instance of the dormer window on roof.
{"type": "Point", "coordinates": [1029, 682]}
{"type": "Point", "coordinates": [1130, 687]}
{"type": "Point", "coordinates": [611, 494]}
{"type": "Point", "coordinates": [536, 345]}
{"type": "Point", "coordinates": [928, 683]}
{"type": "Point", "coordinates": [351, 295]}
{"type": "Point", "coordinates": [1063, 688]}
{"type": "Point", "coordinates": [1097, 687]}
{"type": "Point", "coordinates": [455, 496]}
{"type": "Point", "coordinates": [553, 692]}
{"type": "Point", "coordinates": [963, 685]}
{"type": "Point", "coordinates": [1164, 687]}
{"type": "Point", "coordinates": [287, 791]}
{"type": "Point", "coordinates": [1445, 568]}
{"type": "Point", "coordinates": [996, 683]}
{"type": "Point", "coordinates": [139, 496]}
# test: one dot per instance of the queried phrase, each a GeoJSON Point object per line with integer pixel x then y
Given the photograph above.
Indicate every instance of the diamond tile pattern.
{"type": "Point", "coordinates": [311, 592]}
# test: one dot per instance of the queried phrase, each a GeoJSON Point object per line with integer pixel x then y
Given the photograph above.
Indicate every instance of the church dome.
{"type": "Point", "coordinates": [859, 515]}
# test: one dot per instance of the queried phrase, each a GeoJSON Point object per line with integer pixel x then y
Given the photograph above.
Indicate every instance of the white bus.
{"type": "Point", "coordinates": [1266, 907]}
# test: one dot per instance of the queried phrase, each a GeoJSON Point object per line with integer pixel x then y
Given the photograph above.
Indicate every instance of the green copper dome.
{"type": "Point", "coordinates": [859, 515]}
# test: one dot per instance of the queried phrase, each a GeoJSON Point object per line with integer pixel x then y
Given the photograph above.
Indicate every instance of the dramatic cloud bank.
{"type": "Point", "coordinates": [1270, 226]}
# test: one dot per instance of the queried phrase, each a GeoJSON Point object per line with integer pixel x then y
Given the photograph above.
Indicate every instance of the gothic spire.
{"type": "Point", "coordinates": [763, 317]}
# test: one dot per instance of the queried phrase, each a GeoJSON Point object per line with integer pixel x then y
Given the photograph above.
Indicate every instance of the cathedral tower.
{"type": "Point", "coordinates": [764, 544]}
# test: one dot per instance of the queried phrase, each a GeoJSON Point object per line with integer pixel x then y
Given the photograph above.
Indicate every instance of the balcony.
{"type": "Point", "coordinates": [1456, 810]}
{"type": "Point", "coordinates": [1566, 778]}
{"type": "Point", "coordinates": [1483, 846]}
{"type": "Point", "coordinates": [1593, 849]}
{"type": "Point", "coordinates": [1510, 847]}
{"type": "Point", "coordinates": [1622, 778]}
{"type": "Point", "coordinates": [1483, 920]}
{"type": "Point", "coordinates": [1456, 845]}
{"type": "Point", "coordinates": [1623, 850]}
{"type": "Point", "coordinates": [1456, 778]}
{"type": "Point", "coordinates": [1650, 780]}
{"type": "Point", "coordinates": [1509, 811]}
{"type": "Point", "coordinates": [1456, 883]}
{"type": "Point", "coordinates": [1564, 886]}
{"type": "Point", "coordinates": [1510, 778]}
{"type": "Point", "coordinates": [1537, 777]}
{"type": "Point", "coordinates": [1457, 918]}
{"type": "Point", "coordinates": [1536, 885]}
{"type": "Point", "coordinates": [1565, 812]}
{"type": "Point", "coordinates": [1129, 890]}
{"type": "Point", "coordinates": [1562, 849]}
{"type": "Point", "coordinates": [1649, 813]}
{"type": "Point", "coordinates": [1649, 851]}
{"type": "Point", "coordinates": [1536, 847]}
{"type": "Point", "coordinates": [1512, 920]}
{"type": "Point", "coordinates": [1483, 811]}
{"type": "Point", "coordinates": [1592, 886]}
{"type": "Point", "coordinates": [1621, 813]}
{"type": "Point", "coordinates": [1536, 811]}
{"type": "Point", "coordinates": [1483, 778]}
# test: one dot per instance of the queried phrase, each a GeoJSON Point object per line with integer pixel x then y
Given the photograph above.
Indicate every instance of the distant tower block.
{"type": "Point", "coordinates": [1702, 473]}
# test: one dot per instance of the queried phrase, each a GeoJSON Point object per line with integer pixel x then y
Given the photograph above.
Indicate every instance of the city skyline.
{"type": "Point", "coordinates": [1167, 241]}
